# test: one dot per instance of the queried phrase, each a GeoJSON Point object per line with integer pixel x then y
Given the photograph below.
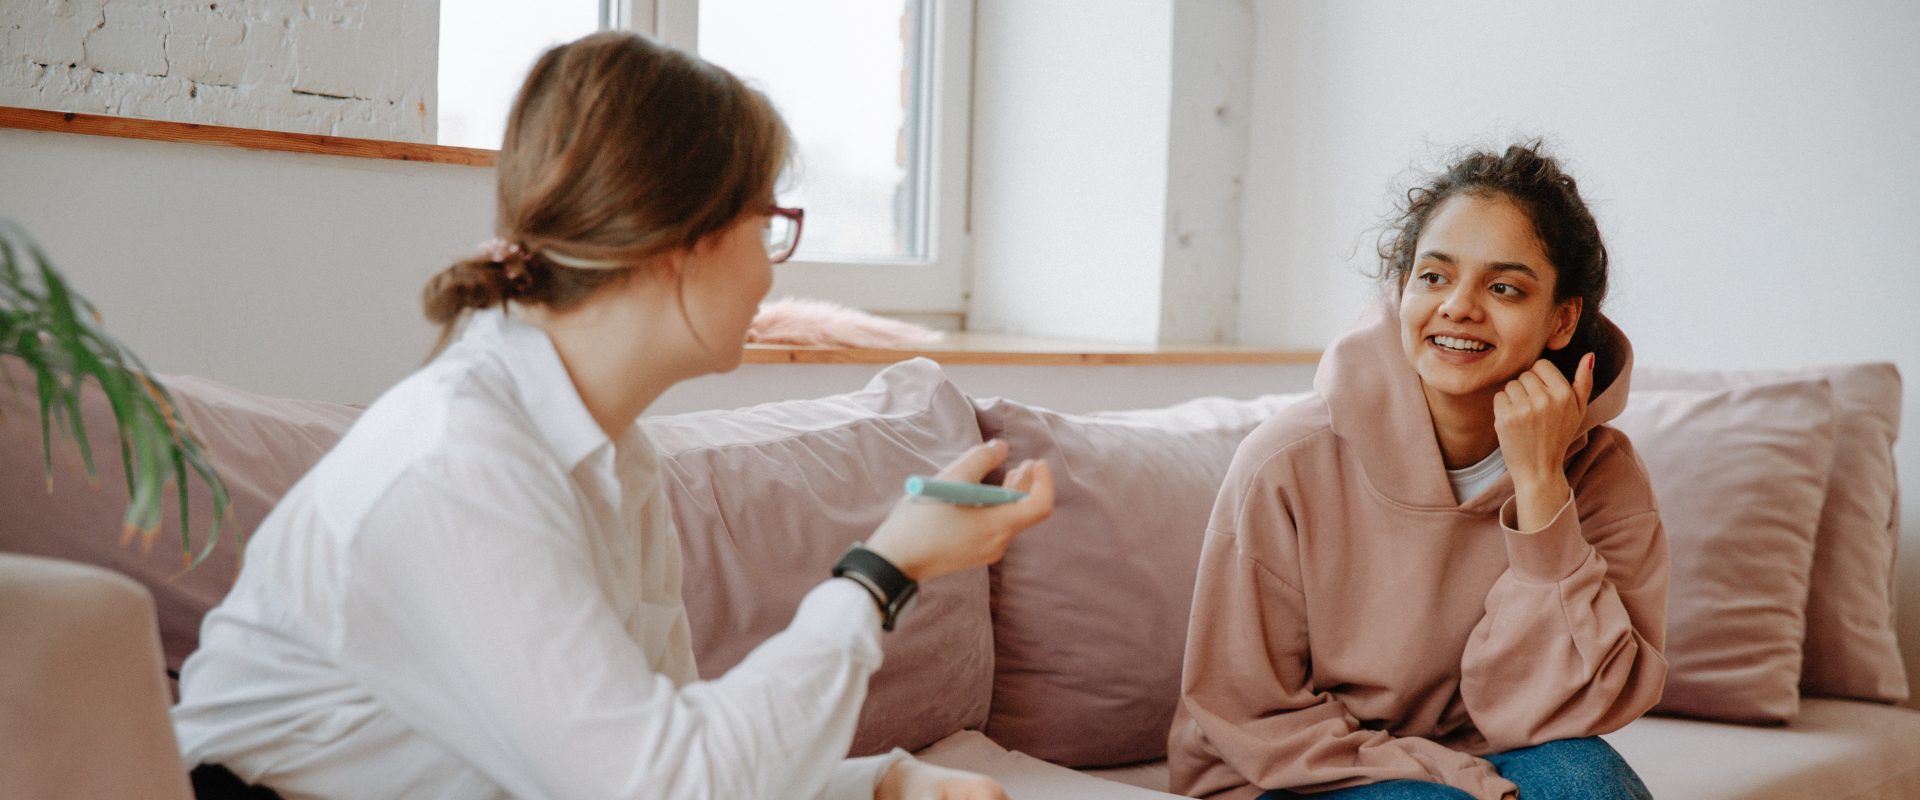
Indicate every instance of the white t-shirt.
{"type": "Point", "coordinates": [476, 594]}
{"type": "Point", "coordinates": [1469, 482]}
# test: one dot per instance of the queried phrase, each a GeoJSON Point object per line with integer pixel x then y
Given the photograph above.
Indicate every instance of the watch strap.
{"type": "Point", "coordinates": [892, 590]}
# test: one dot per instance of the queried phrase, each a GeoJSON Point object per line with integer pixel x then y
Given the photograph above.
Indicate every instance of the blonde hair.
{"type": "Point", "coordinates": [618, 149]}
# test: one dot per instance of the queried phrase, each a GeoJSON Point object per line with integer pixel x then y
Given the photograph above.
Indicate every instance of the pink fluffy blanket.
{"type": "Point", "coordinates": [803, 321]}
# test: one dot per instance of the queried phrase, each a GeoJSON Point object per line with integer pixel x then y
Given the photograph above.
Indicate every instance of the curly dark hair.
{"type": "Point", "coordinates": [1535, 182]}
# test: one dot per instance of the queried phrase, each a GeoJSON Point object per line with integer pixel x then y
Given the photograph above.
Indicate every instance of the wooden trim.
{"type": "Point", "coordinates": [34, 119]}
{"type": "Point", "coordinates": [979, 348]}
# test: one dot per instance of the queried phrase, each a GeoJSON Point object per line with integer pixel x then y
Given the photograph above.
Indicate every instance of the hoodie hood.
{"type": "Point", "coordinates": [1376, 406]}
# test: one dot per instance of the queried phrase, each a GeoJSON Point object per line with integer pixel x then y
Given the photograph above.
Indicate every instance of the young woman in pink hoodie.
{"type": "Point", "coordinates": [1442, 576]}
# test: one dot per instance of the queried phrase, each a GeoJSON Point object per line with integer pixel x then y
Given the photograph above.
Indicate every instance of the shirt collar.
{"type": "Point", "coordinates": [541, 382]}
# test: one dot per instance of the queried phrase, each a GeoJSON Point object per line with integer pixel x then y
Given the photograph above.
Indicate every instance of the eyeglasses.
{"type": "Point", "coordinates": [783, 232]}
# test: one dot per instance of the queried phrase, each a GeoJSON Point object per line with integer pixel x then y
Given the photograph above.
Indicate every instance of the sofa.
{"type": "Point", "coordinates": [1057, 669]}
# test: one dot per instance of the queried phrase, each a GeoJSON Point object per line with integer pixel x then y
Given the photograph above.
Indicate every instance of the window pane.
{"type": "Point", "coordinates": [844, 74]}
{"type": "Point", "coordinates": [486, 48]}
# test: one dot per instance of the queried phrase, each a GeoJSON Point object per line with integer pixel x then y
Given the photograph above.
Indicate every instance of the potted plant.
{"type": "Point", "coordinates": [59, 338]}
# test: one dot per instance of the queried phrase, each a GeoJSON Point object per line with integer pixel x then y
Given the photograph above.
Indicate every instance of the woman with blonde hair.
{"type": "Point", "coordinates": [477, 592]}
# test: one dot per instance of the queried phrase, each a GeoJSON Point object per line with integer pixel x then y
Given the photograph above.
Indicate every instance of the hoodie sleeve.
{"type": "Point", "coordinates": [1571, 644]}
{"type": "Point", "coordinates": [1250, 714]}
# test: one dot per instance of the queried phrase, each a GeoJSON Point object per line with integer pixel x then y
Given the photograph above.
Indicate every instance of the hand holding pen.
{"type": "Point", "coordinates": [973, 524]}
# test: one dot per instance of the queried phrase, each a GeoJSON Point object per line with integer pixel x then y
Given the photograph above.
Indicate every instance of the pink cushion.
{"type": "Point", "coordinates": [768, 498]}
{"type": "Point", "coordinates": [260, 446]}
{"type": "Point", "coordinates": [1851, 649]}
{"type": "Point", "coordinates": [1090, 607]}
{"type": "Point", "coordinates": [1740, 475]}
{"type": "Point", "coordinates": [1835, 750]}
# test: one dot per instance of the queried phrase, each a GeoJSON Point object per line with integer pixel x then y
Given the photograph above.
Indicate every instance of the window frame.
{"type": "Point", "coordinates": [932, 287]}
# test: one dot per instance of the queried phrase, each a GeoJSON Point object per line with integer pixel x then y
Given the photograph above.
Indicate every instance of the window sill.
{"type": "Point", "coordinates": [1024, 351]}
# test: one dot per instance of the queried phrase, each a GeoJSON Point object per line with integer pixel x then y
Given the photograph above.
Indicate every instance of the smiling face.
{"type": "Point", "coordinates": [1477, 308]}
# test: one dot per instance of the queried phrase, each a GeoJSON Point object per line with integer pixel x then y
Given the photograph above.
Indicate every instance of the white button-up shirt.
{"type": "Point", "coordinates": [476, 594]}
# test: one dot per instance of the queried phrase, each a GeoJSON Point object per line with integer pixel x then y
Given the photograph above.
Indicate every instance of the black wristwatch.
{"type": "Point", "coordinates": [890, 587]}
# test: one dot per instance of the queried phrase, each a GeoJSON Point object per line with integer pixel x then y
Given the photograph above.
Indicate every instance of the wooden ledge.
{"type": "Point", "coordinates": [34, 119]}
{"type": "Point", "coordinates": [1023, 351]}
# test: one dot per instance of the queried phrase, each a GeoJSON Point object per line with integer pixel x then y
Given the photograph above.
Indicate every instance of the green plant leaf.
{"type": "Point", "coordinates": [43, 377]}
{"type": "Point", "coordinates": [59, 336]}
{"type": "Point", "coordinates": [180, 484]}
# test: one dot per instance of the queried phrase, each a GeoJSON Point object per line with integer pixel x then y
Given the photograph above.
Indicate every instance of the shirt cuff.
{"type": "Point", "coordinates": [1549, 554]}
{"type": "Point", "coordinates": [840, 613]}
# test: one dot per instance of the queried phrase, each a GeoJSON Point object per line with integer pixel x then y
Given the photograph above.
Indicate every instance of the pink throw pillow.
{"type": "Point", "coordinates": [1090, 607]}
{"type": "Point", "coordinates": [260, 446]}
{"type": "Point", "coordinates": [1851, 648]}
{"type": "Point", "coordinates": [1740, 475]}
{"type": "Point", "coordinates": [767, 498]}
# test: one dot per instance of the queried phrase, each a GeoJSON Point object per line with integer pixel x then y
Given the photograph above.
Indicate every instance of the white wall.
{"type": "Point", "coordinates": [299, 276]}
{"type": "Point", "coordinates": [1109, 148]}
{"type": "Point", "coordinates": [1753, 165]}
{"type": "Point", "coordinates": [286, 274]}
{"type": "Point", "coordinates": [1070, 135]}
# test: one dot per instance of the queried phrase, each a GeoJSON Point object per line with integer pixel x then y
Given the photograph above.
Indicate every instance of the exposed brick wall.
{"type": "Point", "coordinates": [366, 68]}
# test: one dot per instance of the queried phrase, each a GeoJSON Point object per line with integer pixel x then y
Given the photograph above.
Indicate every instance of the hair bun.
{"type": "Point", "coordinates": [473, 283]}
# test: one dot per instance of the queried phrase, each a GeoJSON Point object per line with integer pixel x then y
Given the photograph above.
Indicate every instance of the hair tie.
{"type": "Point", "coordinates": [512, 259]}
{"type": "Point", "coordinates": [501, 251]}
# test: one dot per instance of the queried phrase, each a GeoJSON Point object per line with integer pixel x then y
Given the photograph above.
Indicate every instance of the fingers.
{"type": "Point", "coordinates": [926, 781]}
{"type": "Point", "coordinates": [980, 789]}
{"type": "Point", "coordinates": [1535, 388]}
{"type": "Point", "coordinates": [974, 464]}
{"type": "Point", "coordinates": [1036, 479]}
{"type": "Point", "coordinates": [1018, 477]}
{"type": "Point", "coordinates": [1583, 379]}
{"type": "Point", "coordinates": [1516, 394]}
{"type": "Point", "coordinates": [1543, 383]}
{"type": "Point", "coordinates": [1039, 489]}
{"type": "Point", "coordinates": [975, 787]}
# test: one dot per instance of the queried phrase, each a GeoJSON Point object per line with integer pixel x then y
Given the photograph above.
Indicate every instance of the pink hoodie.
{"type": "Point", "coordinates": [1353, 624]}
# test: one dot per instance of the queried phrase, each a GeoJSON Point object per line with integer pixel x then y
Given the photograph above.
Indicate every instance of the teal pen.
{"type": "Point", "coordinates": [961, 494]}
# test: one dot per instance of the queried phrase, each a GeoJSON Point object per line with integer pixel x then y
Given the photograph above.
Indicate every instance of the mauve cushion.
{"type": "Point", "coordinates": [1740, 475]}
{"type": "Point", "coordinates": [1090, 607]}
{"type": "Point", "coordinates": [767, 498]}
{"type": "Point", "coordinates": [1851, 647]}
{"type": "Point", "coordinates": [260, 446]}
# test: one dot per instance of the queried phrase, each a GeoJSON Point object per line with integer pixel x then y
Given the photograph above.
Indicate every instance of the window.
{"type": "Point", "coordinates": [486, 48]}
{"type": "Point", "coordinates": [875, 92]}
{"type": "Point", "coordinates": [841, 74]}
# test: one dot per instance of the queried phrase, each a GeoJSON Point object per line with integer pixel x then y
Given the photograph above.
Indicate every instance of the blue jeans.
{"type": "Point", "coordinates": [1569, 769]}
